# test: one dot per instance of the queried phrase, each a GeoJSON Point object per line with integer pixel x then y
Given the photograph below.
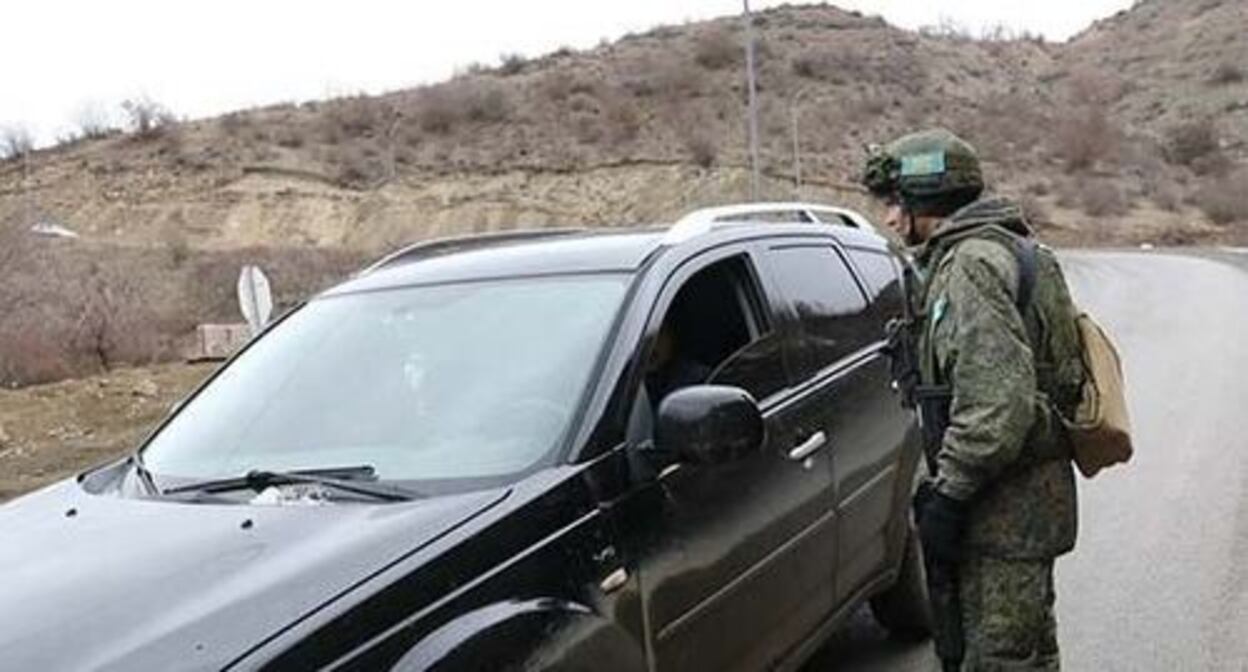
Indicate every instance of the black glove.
{"type": "Point", "coordinates": [941, 520]}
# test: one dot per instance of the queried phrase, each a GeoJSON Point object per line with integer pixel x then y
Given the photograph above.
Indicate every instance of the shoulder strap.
{"type": "Point", "coordinates": [1025, 251]}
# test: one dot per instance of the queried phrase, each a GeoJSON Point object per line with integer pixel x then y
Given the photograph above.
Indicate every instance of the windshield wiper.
{"type": "Point", "coordinates": [347, 479]}
{"type": "Point", "coordinates": [145, 475]}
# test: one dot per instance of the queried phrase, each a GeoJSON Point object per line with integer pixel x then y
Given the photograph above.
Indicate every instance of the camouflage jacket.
{"type": "Point", "coordinates": [1005, 449]}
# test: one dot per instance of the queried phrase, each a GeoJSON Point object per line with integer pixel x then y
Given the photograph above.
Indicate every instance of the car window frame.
{"type": "Point", "coordinates": [799, 356]}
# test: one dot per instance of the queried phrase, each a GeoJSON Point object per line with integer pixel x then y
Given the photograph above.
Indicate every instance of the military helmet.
{"type": "Point", "coordinates": [929, 170]}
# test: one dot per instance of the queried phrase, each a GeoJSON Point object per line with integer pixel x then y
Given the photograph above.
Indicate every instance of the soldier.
{"type": "Point", "coordinates": [998, 359]}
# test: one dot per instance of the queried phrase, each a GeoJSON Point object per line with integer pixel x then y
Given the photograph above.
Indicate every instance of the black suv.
{"type": "Point", "coordinates": [646, 450]}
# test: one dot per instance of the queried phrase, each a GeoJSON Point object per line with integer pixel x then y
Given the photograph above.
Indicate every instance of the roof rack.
{"type": "Point", "coordinates": [438, 245]}
{"type": "Point", "coordinates": [700, 222]}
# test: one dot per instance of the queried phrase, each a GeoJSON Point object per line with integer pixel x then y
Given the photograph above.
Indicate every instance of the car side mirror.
{"type": "Point", "coordinates": [710, 424]}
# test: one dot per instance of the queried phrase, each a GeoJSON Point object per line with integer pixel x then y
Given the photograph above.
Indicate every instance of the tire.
{"type": "Point", "coordinates": [904, 608]}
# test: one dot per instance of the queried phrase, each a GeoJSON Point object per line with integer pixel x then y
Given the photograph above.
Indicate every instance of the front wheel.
{"type": "Point", "coordinates": [905, 609]}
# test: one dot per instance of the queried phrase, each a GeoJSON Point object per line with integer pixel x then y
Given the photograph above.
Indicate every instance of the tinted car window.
{"type": "Point", "coordinates": [828, 301]}
{"type": "Point", "coordinates": [882, 278]}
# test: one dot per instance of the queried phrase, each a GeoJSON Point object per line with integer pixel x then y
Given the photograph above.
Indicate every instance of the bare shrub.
{"type": "Point", "coordinates": [485, 101]}
{"type": "Point", "coordinates": [665, 77]}
{"type": "Point", "coordinates": [233, 123]}
{"type": "Point", "coordinates": [511, 64]}
{"type": "Point", "coordinates": [437, 109]}
{"type": "Point", "coordinates": [700, 145]}
{"type": "Point", "coordinates": [624, 122]}
{"type": "Point", "coordinates": [1085, 137]}
{"type": "Point", "coordinates": [947, 29]}
{"type": "Point", "coordinates": [1226, 200]}
{"type": "Point", "coordinates": [357, 116]}
{"type": "Point", "coordinates": [358, 167]}
{"type": "Point", "coordinates": [1090, 86]}
{"type": "Point", "coordinates": [290, 137]}
{"type": "Point", "coordinates": [1166, 196]}
{"type": "Point", "coordinates": [805, 65]}
{"type": "Point", "coordinates": [562, 84]}
{"type": "Point", "coordinates": [1190, 141]}
{"type": "Point", "coordinates": [1226, 74]}
{"type": "Point", "coordinates": [93, 121]}
{"type": "Point", "coordinates": [15, 142]}
{"type": "Point", "coordinates": [717, 49]}
{"type": "Point", "coordinates": [146, 118]}
{"type": "Point", "coordinates": [1102, 198]}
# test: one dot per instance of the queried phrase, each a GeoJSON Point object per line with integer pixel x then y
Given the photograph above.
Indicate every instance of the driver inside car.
{"type": "Point", "coordinates": [670, 368]}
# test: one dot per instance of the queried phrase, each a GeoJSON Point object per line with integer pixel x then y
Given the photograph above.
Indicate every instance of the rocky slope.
{"type": "Point", "coordinates": [648, 127]}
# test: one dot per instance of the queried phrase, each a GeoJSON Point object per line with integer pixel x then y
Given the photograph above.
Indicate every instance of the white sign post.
{"type": "Point", "coordinates": [255, 298]}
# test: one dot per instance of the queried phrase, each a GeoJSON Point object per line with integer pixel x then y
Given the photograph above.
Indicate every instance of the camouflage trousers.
{"type": "Point", "coordinates": [1007, 615]}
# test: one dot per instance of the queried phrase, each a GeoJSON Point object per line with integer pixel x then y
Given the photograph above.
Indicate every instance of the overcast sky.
{"type": "Point", "coordinates": [61, 57]}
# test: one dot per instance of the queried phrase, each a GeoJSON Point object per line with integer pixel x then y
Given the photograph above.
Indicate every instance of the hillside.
{"type": "Point", "coordinates": [1133, 132]}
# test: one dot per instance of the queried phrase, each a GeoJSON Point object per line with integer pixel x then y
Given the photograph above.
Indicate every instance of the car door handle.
{"type": "Point", "coordinates": [811, 446]}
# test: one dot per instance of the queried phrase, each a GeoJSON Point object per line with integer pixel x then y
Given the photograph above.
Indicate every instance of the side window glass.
{"type": "Point", "coordinates": [828, 302]}
{"type": "Point", "coordinates": [883, 283]}
{"type": "Point", "coordinates": [716, 331]}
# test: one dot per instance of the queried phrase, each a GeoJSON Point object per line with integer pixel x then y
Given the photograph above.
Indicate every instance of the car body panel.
{"type": "Point", "coordinates": [147, 584]}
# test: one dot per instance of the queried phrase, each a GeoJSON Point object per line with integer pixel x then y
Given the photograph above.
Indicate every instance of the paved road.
{"type": "Point", "coordinates": [1159, 580]}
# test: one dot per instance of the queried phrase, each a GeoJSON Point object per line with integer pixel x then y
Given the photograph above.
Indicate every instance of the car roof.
{"type": "Point", "coordinates": [548, 252]}
{"type": "Point", "coordinates": [559, 252]}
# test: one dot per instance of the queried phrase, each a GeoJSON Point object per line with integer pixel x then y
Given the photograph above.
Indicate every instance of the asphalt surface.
{"type": "Point", "coordinates": [1159, 580]}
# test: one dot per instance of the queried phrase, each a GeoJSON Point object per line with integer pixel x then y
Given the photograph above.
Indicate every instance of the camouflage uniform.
{"type": "Point", "coordinates": [1004, 451]}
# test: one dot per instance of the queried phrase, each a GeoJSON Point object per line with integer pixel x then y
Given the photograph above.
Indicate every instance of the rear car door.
{"type": "Point", "coordinates": [844, 385]}
{"type": "Point", "coordinates": [738, 572]}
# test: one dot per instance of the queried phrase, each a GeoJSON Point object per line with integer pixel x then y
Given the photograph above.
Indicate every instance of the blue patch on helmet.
{"type": "Point", "coordinates": [922, 165]}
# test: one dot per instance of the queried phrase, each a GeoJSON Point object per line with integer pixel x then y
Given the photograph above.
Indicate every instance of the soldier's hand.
{"type": "Point", "coordinates": [941, 521]}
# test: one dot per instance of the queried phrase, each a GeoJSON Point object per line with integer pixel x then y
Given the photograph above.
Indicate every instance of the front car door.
{"type": "Point", "coordinates": [737, 569]}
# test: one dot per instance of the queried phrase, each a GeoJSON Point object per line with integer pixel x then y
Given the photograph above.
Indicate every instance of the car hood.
{"type": "Point", "coordinates": [99, 582]}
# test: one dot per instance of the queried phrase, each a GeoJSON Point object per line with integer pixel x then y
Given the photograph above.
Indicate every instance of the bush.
{"type": "Point", "coordinates": [357, 169]}
{"type": "Point", "coordinates": [485, 101]}
{"type": "Point", "coordinates": [233, 123]}
{"type": "Point", "coordinates": [1102, 198]}
{"type": "Point", "coordinates": [1188, 142]}
{"type": "Point", "coordinates": [358, 116]}
{"type": "Point", "coordinates": [701, 147]}
{"type": "Point", "coordinates": [1226, 200]}
{"type": "Point", "coordinates": [1085, 137]}
{"type": "Point", "coordinates": [717, 49]}
{"type": "Point", "coordinates": [93, 122]}
{"type": "Point", "coordinates": [15, 142]}
{"type": "Point", "coordinates": [1225, 74]}
{"type": "Point", "coordinates": [437, 110]}
{"type": "Point", "coordinates": [146, 118]}
{"type": "Point", "coordinates": [289, 137]}
{"type": "Point", "coordinates": [511, 64]}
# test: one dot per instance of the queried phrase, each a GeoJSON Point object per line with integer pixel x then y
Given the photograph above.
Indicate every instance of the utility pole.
{"type": "Point", "coordinates": [28, 195]}
{"type": "Point", "coordinates": [753, 111]}
{"type": "Point", "coordinates": [795, 113]}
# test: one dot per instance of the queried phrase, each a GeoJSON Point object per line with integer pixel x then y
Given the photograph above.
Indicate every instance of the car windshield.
{"type": "Point", "coordinates": [452, 386]}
